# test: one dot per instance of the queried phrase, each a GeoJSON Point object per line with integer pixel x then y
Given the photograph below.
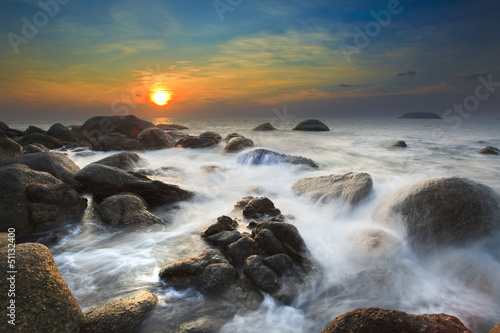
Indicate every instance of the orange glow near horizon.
{"type": "Point", "coordinates": [161, 97]}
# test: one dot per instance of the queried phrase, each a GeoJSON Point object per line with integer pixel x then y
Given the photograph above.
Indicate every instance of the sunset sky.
{"type": "Point", "coordinates": [243, 58]}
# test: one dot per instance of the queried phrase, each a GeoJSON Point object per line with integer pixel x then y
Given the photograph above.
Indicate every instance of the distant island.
{"type": "Point", "coordinates": [420, 115]}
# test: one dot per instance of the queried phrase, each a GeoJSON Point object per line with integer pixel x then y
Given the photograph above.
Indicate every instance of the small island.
{"type": "Point", "coordinates": [420, 115]}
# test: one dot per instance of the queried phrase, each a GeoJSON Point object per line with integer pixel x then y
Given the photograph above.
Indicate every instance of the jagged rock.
{"type": "Point", "coordinates": [125, 161]}
{"type": "Point", "coordinates": [260, 207]}
{"type": "Point", "coordinates": [238, 143]}
{"type": "Point", "coordinates": [243, 202]}
{"type": "Point", "coordinates": [264, 127]}
{"type": "Point", "coordinates": [8, 148]}
{"type": "Point", "coordinates": [129, 125]}
{"type": "Point", "coordinates": [126, 209]}
{"type": "Point", "coordinates": [267, 157]}
{"type": "Point", "coordinates": [489, 151]}
{"type": "Point", "coordinates": [46, 140]}
{"type": "Point", "coordinates": [311, 125]}
{"type": "Point", "coordinates": [60, 132]}
{"type": "Point", "coordinates": [224, 223]}
{"type": "Point", "coordinates": [155, 138]}
{"type": "Point", "coordinates": [351, 187]}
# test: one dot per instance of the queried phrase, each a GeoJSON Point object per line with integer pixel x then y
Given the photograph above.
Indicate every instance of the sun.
{"type": "Point", "coordinates": [160, 97]}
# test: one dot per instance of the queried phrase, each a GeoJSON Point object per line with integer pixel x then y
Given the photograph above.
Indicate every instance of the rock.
{"type": "Point", "coordinates": [489, 151]}
{"type": "Point", "coordinates": [311, 125]}
{"type": "Point", "coordinates": [171, 127]}
{"type": "Point", "coordinates": [374, 245]}
{"type": "Point", "coordinates": [445, 211]}
{"type": "Point", "coordinates": [285, 233]}
{"type": "Point", "coordinates": [279, 263]}
{"type": "Point", "coordinates": [264, 127]}
{"type": "Point", "coordinates": [375, 320]}
{"type": "Point", "coordinates": [35, 148]}
{"type": "Point", "coordinates": [224, 238]}
{"type": "Point", "coordinates": [4, 127]}
{"type": "Point", "coordinates": [178, 135]}
{"type": "Point", "coordinates": [207, 324]}
{"type": "Point", "coordinates": [108, 142]}
{"type": "Point", "coordinates": [125, 161]}
{"type": "Point", "coordinates": [155, 138]}
{"type": "Point", "coordinates": [60, 132]}
{"type": "Point", "coordinates": [126, 209]}
{"type": "Point", "coordinates": [31, 200]}
{"type": "Point", "coordinates": [420, 115]}
{"type": "Point", "coordinates": [232, 135]}
{"type": "Point", "coordinates": [4, 239]}
{"type": "Point", "coordinates": [211, 135]}
{"type": "Point", "coordinates": [260, 207]}
{"type": "Point", "coordinates": [243, 248]}
{"type": "Point", "coordinates": [238, 143]}
{"type": "Point", "coordinates": [397, 144]}
{"type": "Point", "coordinates": [8, 148]}
{"type": "Point", "coordinates": [267, 157]}
{"type": "Point", "coordinates": [268, 242]}
{"type": "Point", "coordinates": [264, 277]}
{"type": "Point", "coordinates": [132, 144]}
{"type": "Point", "coordinates": [195, 142]}
{"type": "Point", "coordinates": [224, 223]}
{"type": "Point", "coordinates": [43, 302]}
{"type": "Point", "coordinates": [95, 145]}
{"type": "Point", "coordinates": [46, 140]}
{"type": "Point", "coordinates": [351, 187]}
{"type": "Point", "coordinates": [57, 164]}
{"type": "Point", "coordinates": [129, 125]}
{"type": "Point", "coordinates": [34, 129]}
{"type": "Point", "coordinates": [104, 181]}
{"type": "Point", "coordinates": [495, 329]}
{"type": "Point", "coordinates": [209, 273]}
{"type": "Point", "coordinates": [123, 315]}
{"type": "Point", "coordinates": [240, 204]}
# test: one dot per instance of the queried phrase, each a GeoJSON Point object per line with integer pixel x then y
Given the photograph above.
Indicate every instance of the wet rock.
{"type": "Point", "coordinates": [60, 132]}
{"type": "Point", "coordinates": [224, 223]}
{"type": "Point", "coordinates": [31, 200]}
{"type": "Point", "coordinates": [232, 135]}
{"type": "Point", "coordinates": [4, 127]}
{"type": "Point", "coordinates": [286, 233]}
{"type": "Point", "coordinates": [374, 320]}
{"type": "Point", "coordinates": [259, 208]}
{"type": "Point", "coordinates": [268, 242]}
{"type": "Point", "coordinates": [126, 209]}
{"type": "Point", "coordinates": [374, 245]}
{"type": "Point", "coordinates": [264, 127]}
{"type": "Point", "coordinates": [224, 238]}
{"type": "Point", "coordinates": [240, 204]}
{"type": "Point", "coordinates": [126, 161]}
{"type": "Point", "coordinates": [268, 157]}
{"type": "Point", "coordinates": [211, 135]}
{"type": "Point", "coordinates": [8, 148]}
{"type": "Point", "coordinates": [129, 125]}
{"type": "Point", "coordinates": [171, 127]}
{"type": "Point", "coordinates": [46, 140]}
{"type": "Point", "coordinates": [495, 329]}
{"type": "Point", "coordinates": [104, 181]}
{"type": "Point", "coordinates": [195, 142]}
{"type": "Point", "coordinates": [35, 129]}
{"type": "Point", "coordinates": [489, 151]}
{"type": "Point", "coordinates": [238, 143]}
{"type": "Point", "coordinates": [444, 211]}
{"type": "Point", "coordinates": [243, 248]}
{"type": "Point", "coordinates": [58, 165]}
{"type": "Point", "coordinates": [108, 142]}
{"type": "Point", "coordinates": [397, 144]}
{"type": "Point", "coordinates": [351, 187]}
{"type": "Point", "coordinates": [262, 276]}
{"type": "Point", "coordinates": [95, 145]}
{"type": "Point", "coordinates": [123, 315]}
{"type": "Point", "coordinates": [178, 135]}
{"type": "Point", "coordinates": [132, 144]}
{"type": "Point", "coordinates": [279, 263]}
{"type": "Point", "coordinates": [206, 324]}
{"type": "Point", "coordinates": [155, 138]}
{"type": "Point", "coordinates": [43, 301]}
{"type": "Point", "coordinates": [311, 125]}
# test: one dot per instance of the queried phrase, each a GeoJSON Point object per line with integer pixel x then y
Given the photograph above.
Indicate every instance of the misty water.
{"type": "Point", "coordinates": [100, 263]}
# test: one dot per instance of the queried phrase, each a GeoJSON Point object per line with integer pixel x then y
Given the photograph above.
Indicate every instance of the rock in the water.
{"type": "Point", "coordinates": [264, 127]}
{"type": "Point", "coordinates": [31, 200]}
{"type": "Point", "coordinates": [58, 165]}
{"type": "Point", "coordinates": [445, 211]}
{"type": "Point", "coordinates": [266, 157]}
{"type": "Point", "coordinates": [4, 127]}
{"type": "Point", "coordinates": [195, 142]}
{"type": "Point", "coordinates": [129, 125]}
{"type": "Point", "coordinates": [374, 245]}
{"type": "Point", "coordinates": [211, 135]}
{"type": "Point", "coordinates": [420, 115]}
{"type": "Point", "coordinates": [224, 223]}
{"type": "Point", "coordinates": [263, 277]}
{"type": "Point", "coordinates": [60, 132]}
{"type": "Point", "coordinates": [397, 144]}
{"type": "Point", "coordinates": [311, 125]}
{"type": "Point", "coordinates": [285, 233]}
{"type": "Point", "coordinates": [259, 208]}
{"type": "Point", "coordinates": [46, 140]}
{"type": "Point", "coordinates": [123, 315]}
{"type": "Point", "coordinates": [171, 127]}
{"type": "Point", "coordinates": [351, 187]}
{"type": "Point", "coordinates": [104, 181]}
{"type": "Point", "coordinates": [125, 161]}
{"type": "Point", "coordinates": [126, 209]}
{"type": "Point", "coordinates": [495, 329]}
{"type": "Point", "coordinates": [8, 148]}
{"type": "Point", "coordinates": [43, 302]}
{"type": "Point", "coordinates": [35, 148]}
{"type": "Point", "coordinates": [375, 320]}
{"type": "Point", "coordinates": [489, 151]}
{"type": "Point", "coordinates": [132, 144]}
{"type": "Point", "coordinates": [35, 129]}
{"type": "Point", "coordinates": [243, 248]}
{"type": "Point", "coordinates": [155, 138]}
{"type": "Point", "coordinates": [232, 135]}
{"type": "Point", "coordinates": [108, 142]}
{"type": "Point", "coordinates": [238, 143]}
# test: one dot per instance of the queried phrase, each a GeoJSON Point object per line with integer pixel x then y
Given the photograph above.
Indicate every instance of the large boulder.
{"type": "Point", "coordinates": [8, 148]}
{"type": "Point", "coordinates": [445, 211]}
{"type": "Point", "coordinates": [375, 320]}
{"type": "Point", "coordinates": [4, 127]}
{"type": "Point", "coordinates": [32, 200]}
{"type": "Point", "coordinates": [195, 142]}
{"type": "Point", "coordinates": [104, 181]}
{"type": "Point", "coordinates": [60, 132]}
{"type": "Point", "coordinates": [122, 315]}
{"type": "Point", "coordinates": [126, 209]}
{"type": "Point", "coordinates": [238, 143]}
{"type": "Point", "coordinates": [108, 142]}
{"type": "Point", "coordinates": [58, 165]}
{"type": "Point", "coordinates": [232, 135]}
{"type": "Point", "coordinates": [155, 138]}
{"type": "Point", "coordinates": [43, 302]}
{"type": "Point", "coordinates": [129, 125]}
{"type": "Point", "coordinates": [264, 127]}
{"type": "Point", "coordinates": [267, 157]}
{"type": "Point", "coordinates": [126, 161]}
{"type": "Point", "coordinates": [46, 140]}
{"type": "Point", "coordinates": [211, 135]}
{"type": "Point", "coordinates": [34, 129]}
{"type": "Point", "coordinates": [350, 187]}
{"type": "Point", "coordinates": [35, 148]}
{"type": "Point", "coordinates": [311, 125]}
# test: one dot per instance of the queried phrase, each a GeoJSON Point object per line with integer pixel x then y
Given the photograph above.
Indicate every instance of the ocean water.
{"type": "Point", "coordinates": [100, 263]}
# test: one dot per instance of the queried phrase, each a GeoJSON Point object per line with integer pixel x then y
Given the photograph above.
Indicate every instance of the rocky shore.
{"type": "Point", "coordinates": [252, 252]}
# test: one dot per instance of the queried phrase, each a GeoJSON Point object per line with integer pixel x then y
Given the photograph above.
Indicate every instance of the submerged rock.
{"type": "Point", "coordinates": [238, 143]}
{"type": "Point", "coordinates": [126, 161]}
{"type": "Point", "coordinates": [489, 151]}
{"type": "Point", "coordinates": [375, 320]}
{"type": "Point", "coordinates": [267, 157]}
{"type": "Point", "coordinates": [311, 125]}
{"type": "Point", "coordinates": [155, 138]}
{"type": "Point", "coordinates": [8, 148]}
{"type": "Point", "coordinates": [264, 127]}
{"type": "Point", "coordinates": [43, 302]}
{"type": "Point", "coordinates": [351, 187]}
{"type": "Point", "coordinates": [123, 315]}
{"type": "Point", "coordinates": [126, 209]}
{"type": "Point", "coordinates": [46, 140]}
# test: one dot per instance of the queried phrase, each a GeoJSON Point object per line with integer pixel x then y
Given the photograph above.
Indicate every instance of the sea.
{"type": "Point", "coordinates": [100, 263]}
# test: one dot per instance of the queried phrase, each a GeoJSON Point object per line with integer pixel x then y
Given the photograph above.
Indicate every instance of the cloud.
{"type": "Point", "coordinates": [409, 73]}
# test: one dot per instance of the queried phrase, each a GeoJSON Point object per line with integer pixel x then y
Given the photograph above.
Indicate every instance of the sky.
{"type": "Point", "coordinates": [248, 58]}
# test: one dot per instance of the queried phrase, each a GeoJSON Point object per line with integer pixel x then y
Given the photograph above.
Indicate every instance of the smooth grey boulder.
{"type": "Point", "coordinates": [60, 132]}
{"type": "Point", "coordinates": [126, 161]}
{"type": "Point", "coordinates": [268, 157]}
{"type": "Point", "coordinates": [264, 127]}
{"type": "Point", "coordinates": [195, 142]}
{"type": "Point", "coordinates": [311, 125]}
{"type": "Point", "coordinates": [126, 209]}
